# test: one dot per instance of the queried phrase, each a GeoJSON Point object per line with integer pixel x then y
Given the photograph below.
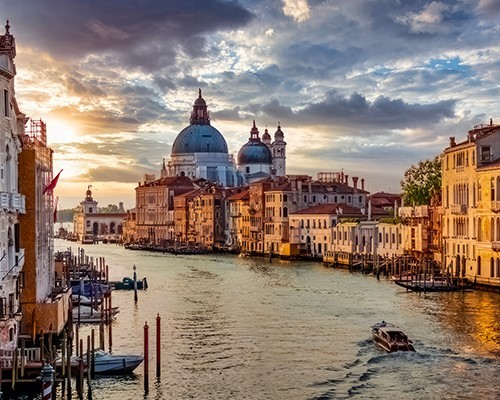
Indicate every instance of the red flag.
{"type": "Point", "coordinates": [51, 186]}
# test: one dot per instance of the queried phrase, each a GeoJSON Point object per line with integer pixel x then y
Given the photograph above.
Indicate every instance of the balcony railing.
{"type": "Point", "coordinates": [495, 206]}
{"type": "Point", "coordinates": [458, 209]}
{"type": "Point", "coordinates": [5, 200]}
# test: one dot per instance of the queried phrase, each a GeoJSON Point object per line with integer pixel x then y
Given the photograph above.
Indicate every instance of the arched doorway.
{"type": "Point", "coordinates": [308, 244]}
{"type": "Point", "coordinates": [95, 229]}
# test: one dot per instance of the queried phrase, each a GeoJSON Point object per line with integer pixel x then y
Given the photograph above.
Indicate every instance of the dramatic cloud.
{"type": "Point", "coordinates": [297, 9]}
{"type": "Point", "coordinates": [355, 84]}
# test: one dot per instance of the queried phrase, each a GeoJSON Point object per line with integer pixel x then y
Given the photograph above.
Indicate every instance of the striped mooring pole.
{"type": "Point", "coordinates": [47, 381]}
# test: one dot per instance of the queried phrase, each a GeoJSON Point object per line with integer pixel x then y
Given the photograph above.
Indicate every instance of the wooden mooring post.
{"type": "Point", "coordinates": [146, 358]}
{"type": "Point", "coordinates": [158, 346]}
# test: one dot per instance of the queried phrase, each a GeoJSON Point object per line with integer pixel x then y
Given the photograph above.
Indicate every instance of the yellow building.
{"type": "Point", "coordinates": [471, 199]}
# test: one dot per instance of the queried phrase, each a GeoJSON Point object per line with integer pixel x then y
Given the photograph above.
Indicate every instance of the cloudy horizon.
{"type": "Point", "coordinates": [369, 87]}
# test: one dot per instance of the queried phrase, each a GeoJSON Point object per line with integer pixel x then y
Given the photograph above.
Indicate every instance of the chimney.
{"type": "Point", "coordinates": [355, 182]}
{"type": "Point", "coordinates": [346, 179]}
{"type": "Point", "coordinates": [299, 185]}
{"type": "Point", "coordinates": [294, 185]}
{"type": "Point", "coordinates": [362, 183]}
{"type": "Point", "coordinates": [452, 141]}
{"type": "Point", "coordinates": [309, 186]}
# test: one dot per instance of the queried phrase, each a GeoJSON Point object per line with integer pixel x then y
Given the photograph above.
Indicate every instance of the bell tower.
{"type": "Point", "coordinates": [89, 205]}
{"type": "Point", "coordinates": [279, 152]}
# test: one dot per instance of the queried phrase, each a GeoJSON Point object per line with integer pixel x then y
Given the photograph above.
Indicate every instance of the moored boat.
{"type": "Point", "coordinates": [107, 363]}
{"type": "Point", "coordinates": [391, 337]}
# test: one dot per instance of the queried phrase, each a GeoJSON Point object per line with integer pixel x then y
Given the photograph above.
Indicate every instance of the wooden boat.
{"type": "Point", "coordinates": [391, 337]}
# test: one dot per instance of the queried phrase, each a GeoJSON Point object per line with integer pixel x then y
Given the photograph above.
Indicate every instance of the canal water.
{"type": "Point", "coordinates": [241, 328]}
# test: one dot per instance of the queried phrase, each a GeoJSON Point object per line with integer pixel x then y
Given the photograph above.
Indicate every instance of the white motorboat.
{"type": "Point", "coordinates": [391, 337]}
{"type": "Point", "coordinates": [107, 363]}
{"type": "Point", "coordinates": [84, 300]}
{"type": "Point", "coordinates": [85, 314]}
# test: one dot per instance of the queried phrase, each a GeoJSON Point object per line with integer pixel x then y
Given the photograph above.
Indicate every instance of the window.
{"type": "Point", "coordinates": [285, 198]}
{"type": "Point", "coordinates": [485, 153]}
{"type": "Point", "coordinates": [6, 102]}
{"type": "Point", "coordinates": [248, 170]}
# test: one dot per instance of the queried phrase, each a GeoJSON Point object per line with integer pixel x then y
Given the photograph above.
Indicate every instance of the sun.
{"type": "Point", "coordinates": [61, 131]}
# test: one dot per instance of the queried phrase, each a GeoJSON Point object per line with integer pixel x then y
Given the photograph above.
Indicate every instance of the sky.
{"type": "Point", "coordinates": [368, 87]}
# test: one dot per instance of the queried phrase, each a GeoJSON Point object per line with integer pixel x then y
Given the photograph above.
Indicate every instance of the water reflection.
{"type": "Point", "coordinates": [245, 328]}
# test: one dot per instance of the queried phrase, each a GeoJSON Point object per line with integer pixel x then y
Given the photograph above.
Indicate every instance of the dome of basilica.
{"type": "Point", "coordinates": [199, 136]}
{"type": "Point", "coordinates": [254, 151]}
{"type": "Point", "coordinates": [199, 139]}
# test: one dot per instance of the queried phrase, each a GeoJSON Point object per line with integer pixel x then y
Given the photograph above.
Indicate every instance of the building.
{"type": "Point", "coordinates": [470, 193]}
{"type": "Point", "coordinates": [45, 299]}
{"type": "Point", "coordinates": [294, 193]}
{"type": "Point", "coordinates": [311, 229]}
{"type": "Point", "coordinates": [91, 226]}
{"type": "Point", "coordinates": [154, 208]}
{"type": "Point", "coordinates": [13, 203]}
{"type": "Point", "coordinates": [237, 213]}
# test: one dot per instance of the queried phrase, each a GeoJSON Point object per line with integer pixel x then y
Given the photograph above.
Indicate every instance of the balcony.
{"type": "Point", "coordinates": [459, 209]}
{"type": "Point", "coordinates": [495, 246]}
{"type": "Point", "coordinates": [13, 202]}
{"type": "Point", "coordinates": [495, 206]}
{"type": "Point", "coordinates": [5, 200]}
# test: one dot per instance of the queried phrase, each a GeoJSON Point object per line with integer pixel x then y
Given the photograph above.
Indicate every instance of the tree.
{"type": "Point", "coordinates": [421, 181]}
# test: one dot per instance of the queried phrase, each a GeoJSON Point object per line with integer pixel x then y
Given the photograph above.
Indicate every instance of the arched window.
{"type": "Point", "coordinates": [492, 230]}
{"type": "Point", "coordinates": [478, 265]}
{"type": "Point", "coordinates": [285, 198]}
{"type": "Point", "coordinates": [285, 212]}
{"type": "Point", "coordinates": [479, 236]}
{"type": "Point", "coordinates": [492, 267]}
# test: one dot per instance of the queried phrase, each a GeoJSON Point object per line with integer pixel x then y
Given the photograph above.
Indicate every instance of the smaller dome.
{"type": "Point", "coordinates": [254, 153]}
{"type": "Point", "coordinates": [266, 137]}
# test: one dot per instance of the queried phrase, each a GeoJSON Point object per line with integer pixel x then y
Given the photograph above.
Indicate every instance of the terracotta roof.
{"type": "Point", "coordinates": [245, 195]}
{"type": "Point", "coordinates": [170, 181]}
